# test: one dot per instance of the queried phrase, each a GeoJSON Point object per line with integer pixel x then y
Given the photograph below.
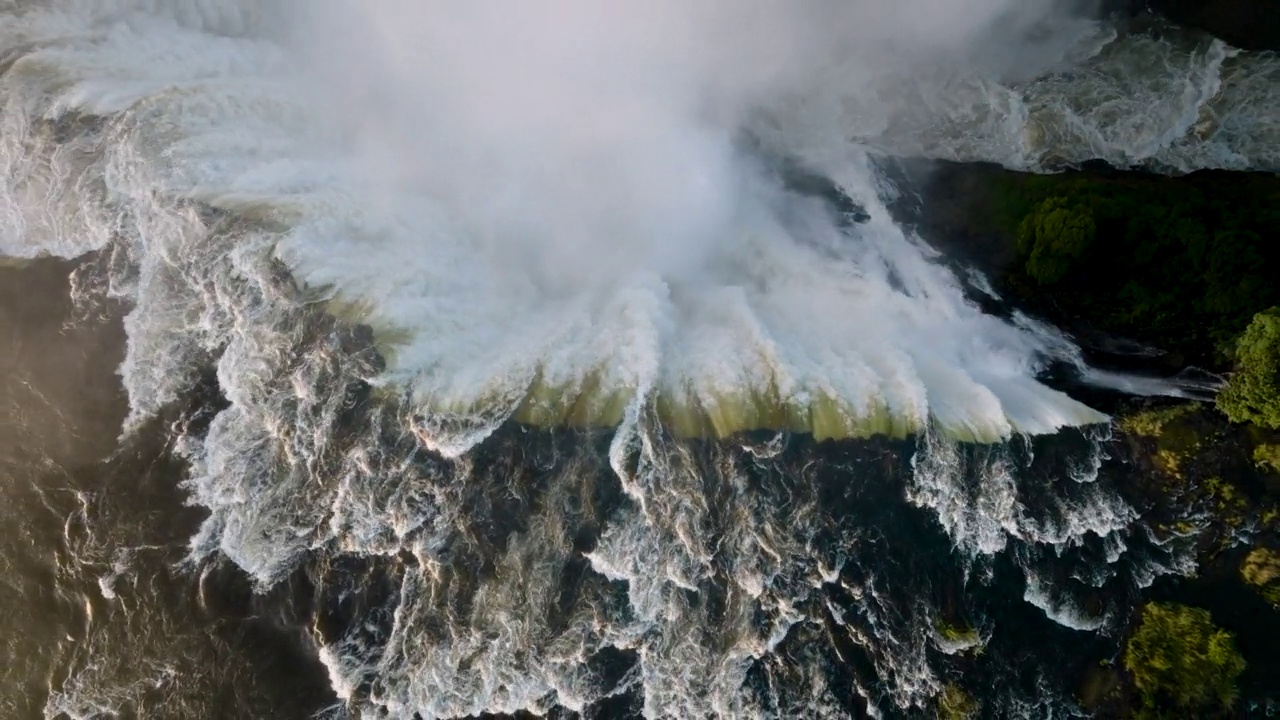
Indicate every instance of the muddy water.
{"type": "Point", "coordinates": [98, 616]}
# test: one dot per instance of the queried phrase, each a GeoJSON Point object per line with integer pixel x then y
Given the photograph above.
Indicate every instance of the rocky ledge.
{"type": "Point", "coordinates": [1247, 24]}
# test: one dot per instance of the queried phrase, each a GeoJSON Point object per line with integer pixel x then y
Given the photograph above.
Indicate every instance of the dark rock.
{"type": "Point", "coordinates": [1247, 24]}
{"type": "Point", "coordinates": [1102, 687]}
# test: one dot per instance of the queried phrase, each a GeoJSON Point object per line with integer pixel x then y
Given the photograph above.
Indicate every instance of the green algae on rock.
{"type": "Point", "coordinates": [601, 397]}
{"type": "Point", "coordinates": [953, 638]}
{"type": "Point", "coordinates": [956, 704]}
{"type": "Point", "coordinates": [700, 414]}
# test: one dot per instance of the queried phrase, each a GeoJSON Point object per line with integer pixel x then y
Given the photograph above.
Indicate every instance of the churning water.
{"type": "Point", "coordinates": [525, 334]}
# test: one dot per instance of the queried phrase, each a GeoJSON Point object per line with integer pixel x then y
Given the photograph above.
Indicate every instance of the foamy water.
{"type": "Point", "coordinates": [577, 217]}
{"type": "Point", "coordinates": [565, 245]}
{"type": "Point", "coordinates": [551, 265]}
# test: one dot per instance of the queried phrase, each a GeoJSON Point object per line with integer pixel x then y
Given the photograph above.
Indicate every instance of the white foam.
{"type": "Point", "coordinates": [1060, 607]}
{"type": "Point", "coordinates": [495, 273]}
{"type": "Point", "coordinates": [188, 140]}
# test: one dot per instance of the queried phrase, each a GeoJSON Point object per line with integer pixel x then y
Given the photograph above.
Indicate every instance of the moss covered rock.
{"type": "Point", "coordinates": [1178, 658]}
{"type": "Point", "coordinates": [956, 704]}
{"type": "Point", "coordinates": [953, 638]}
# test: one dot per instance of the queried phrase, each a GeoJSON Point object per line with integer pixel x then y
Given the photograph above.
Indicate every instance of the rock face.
{"type": "Point", "coordinates": [1248, 24]}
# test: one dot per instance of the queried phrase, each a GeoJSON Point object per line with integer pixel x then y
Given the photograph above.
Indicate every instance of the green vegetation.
{"type": "Point", "coordinates": [956, 704]}
{"type": "Point", "coordinates": [1229, 503]}
{"type": "Point", "coordinates": [957, 633]}
{"type": "Point", "coordinates": [1172, 428]}
{"type": "Point", "coordinates": [1053, 236]}
{"type": "Point", "coordinates": [1261, 569]}
{"type": "Point", "coordinates": [1270, 517]}
{"type": "Point", "coordinates": [1253, 393]}
{"type": "Point", "coordinates": [1224, 491]}
{"type": "Point", "coordinates": [1267, 457]}
{"type": "Point", "coordinates": [1183, 263]}
{"type": "Point", "coordinates": [1152, 423]}
{"type": "Point", "coordinates": [1178, 657]}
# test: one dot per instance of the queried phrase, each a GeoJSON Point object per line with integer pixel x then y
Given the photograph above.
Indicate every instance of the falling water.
{"type": "Point", "coordinates": [526, 337]}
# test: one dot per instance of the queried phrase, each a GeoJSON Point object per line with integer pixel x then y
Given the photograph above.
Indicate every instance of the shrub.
{"type": "Point", "coordinates": [1177, 655]}
{"type": "Point", "coordinates": [1152, 423]}
{"type": "Point", "coordinates": [1173, 430]}
{"type": "Point", "coordinates": [1253, 393]}
{"type": "Point", "coordinates": [1262, 570]}
{"type": "Point", "coordinates": [1053, 236]}
{"type": "Point", "coordinates": [1267, 457]}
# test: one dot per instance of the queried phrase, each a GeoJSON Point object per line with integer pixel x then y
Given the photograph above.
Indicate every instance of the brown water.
{"type": "Point", "coordinates": [97, 617]}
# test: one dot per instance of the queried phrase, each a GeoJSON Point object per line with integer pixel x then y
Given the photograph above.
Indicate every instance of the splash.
{"type": "Point", "coordinates": [585, 217]}
{"type": "Point", "coordinates": [550, 216]}
{"type": "Point", "coordinates": [561, 215]}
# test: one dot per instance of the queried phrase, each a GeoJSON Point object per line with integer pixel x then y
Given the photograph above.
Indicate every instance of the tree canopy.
{"type": "Point", "coordinates": [1253, 393]}
{"type": "Point", "coordinates": [1178, 656]}
{"type": "Point", "coordinates": [1179, 263]}
{"type": "Point", "coordinates": [1053, 236]}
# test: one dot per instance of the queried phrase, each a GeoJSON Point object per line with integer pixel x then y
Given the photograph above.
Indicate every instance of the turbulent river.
{"type": "Point", "coordinates": [429, 361]}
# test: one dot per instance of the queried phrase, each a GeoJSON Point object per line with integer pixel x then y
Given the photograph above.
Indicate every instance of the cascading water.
{"type": "Point", "coordinates": [527, 338]}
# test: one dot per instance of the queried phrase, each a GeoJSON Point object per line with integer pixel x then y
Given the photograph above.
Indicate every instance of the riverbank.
{"type": "Point", "coordinates": [1173, 268]}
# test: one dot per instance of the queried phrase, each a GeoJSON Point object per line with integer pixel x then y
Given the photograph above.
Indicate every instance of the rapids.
{"type": "Point", "coordinates": [527, 341]}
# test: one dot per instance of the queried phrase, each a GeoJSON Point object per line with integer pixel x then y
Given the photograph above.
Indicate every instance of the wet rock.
{"type": "Point", "coordinates": [1247, 24]}
{"type": "Point", "coordinates": [1102, 689]}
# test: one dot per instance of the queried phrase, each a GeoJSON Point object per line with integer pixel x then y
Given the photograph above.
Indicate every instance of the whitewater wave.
{"type": "Point", "coordinates": [778, 317]}
{"type": "Point", "coordinates": [373, 326]}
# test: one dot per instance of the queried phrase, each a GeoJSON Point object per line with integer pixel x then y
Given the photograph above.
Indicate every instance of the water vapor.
{"type": "Point", "coordinates": [592, 210]}
{"type": "Point", "coordinates": [666, 217]}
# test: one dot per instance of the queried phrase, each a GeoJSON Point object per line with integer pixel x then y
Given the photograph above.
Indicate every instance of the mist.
{"type": "Point", "coordinates": [574, 213]}
{"type": "Point", "coordinates": [568, 208]}
{"type": "Point", "coordinates": [580, 141]}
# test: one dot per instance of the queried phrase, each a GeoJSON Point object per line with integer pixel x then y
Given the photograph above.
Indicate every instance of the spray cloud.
{"type": "Point", "coordinates": [568, 209]}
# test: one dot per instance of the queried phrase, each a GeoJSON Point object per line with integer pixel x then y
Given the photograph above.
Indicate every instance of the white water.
{"type": "Point", "coordinates": [582, 224]}
{"type": "Point", "coordinates": [592, 215]}
{"type": "Point", "coordinates": [515, 220]}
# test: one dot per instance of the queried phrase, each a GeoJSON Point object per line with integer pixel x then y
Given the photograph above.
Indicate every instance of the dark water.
{"type": "Point", "coordinates": [839, 579]}
{"type": "Point", "coordinates": [1032, 549]}
{"type": "Point", "coordinates": [101, 616]}
{"type": "Point", "coordinates": [98, 616]}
